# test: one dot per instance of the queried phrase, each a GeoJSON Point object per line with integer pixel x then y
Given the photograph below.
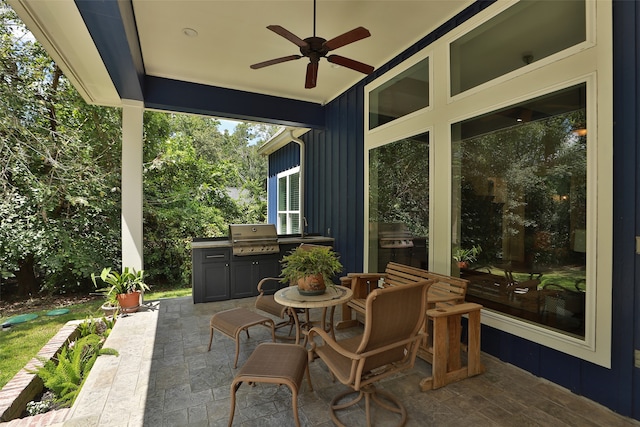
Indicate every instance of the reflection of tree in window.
{"type": "Point", "coordinates": [520, 193]}
{"type": "Point", "coordinates": [402, 191]}
{"type": "Point", "coordinates": [538, 177]}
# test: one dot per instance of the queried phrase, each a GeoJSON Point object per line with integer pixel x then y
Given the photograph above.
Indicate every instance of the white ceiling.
{"type": "Point", "coordinates": [232, 35]}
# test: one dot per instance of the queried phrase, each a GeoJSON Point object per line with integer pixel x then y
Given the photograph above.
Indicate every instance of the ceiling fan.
{"type": "Point", "coordinates": [315, 48]}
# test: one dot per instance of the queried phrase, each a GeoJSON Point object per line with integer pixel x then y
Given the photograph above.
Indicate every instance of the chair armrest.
{"type": "Point", "coordinates": [265, 280]}
{"type": "Point", "coordinates": [328, 340]}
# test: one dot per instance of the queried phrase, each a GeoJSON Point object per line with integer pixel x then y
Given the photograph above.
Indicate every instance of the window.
{"type": "Point", "coordinates": [403, 94]}
{"type": "Point", "coordinates": [510, 170]}
{"type": "Point", "coordinates": [289, 201]}
{"type": "Point", "coordinates": [399, 203]}
{"type": "Point", "coordinates": [519, 191]}
{"type": "Point", "coordinates": [514, 39]}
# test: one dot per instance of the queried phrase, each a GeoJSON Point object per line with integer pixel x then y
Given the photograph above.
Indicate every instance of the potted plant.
{"type": "Point", "coordinates": [123, 289]}
{"type": "Point", "coordinates": [310, 267]}
{"type": "Point", "coordinates": [466, 256]}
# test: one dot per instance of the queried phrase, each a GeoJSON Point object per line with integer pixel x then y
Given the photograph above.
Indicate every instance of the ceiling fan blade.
{"type": "Point", "coordinates": [275, 61]}
{"type": "Point", "coordinates": [288, 35]}
{"type": "Point", "coordinates": [348, 37]}
{"type": "Point", "coordinates": [350, 63]}
{"type": "Point", "coordinates": [312, 75]}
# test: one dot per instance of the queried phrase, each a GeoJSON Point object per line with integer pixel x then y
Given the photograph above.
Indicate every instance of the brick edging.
{"type": "Point", "coordinates": [24, 386]}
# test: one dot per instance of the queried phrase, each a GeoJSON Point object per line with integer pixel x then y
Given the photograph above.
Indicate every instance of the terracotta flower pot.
{"type": "Point", "coordinates": [312, 285]}
{"type": "Point", "coordinates": [129, 303]}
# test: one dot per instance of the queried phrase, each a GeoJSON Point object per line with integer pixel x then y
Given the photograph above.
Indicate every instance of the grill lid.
{"type": "Point", "coordinates": [253, 239]}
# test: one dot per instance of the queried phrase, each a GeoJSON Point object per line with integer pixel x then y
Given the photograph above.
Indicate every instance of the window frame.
{"type": "Point", "coordinates": [288, 212]}
{"type": "Point", "coordinates": [588, 62]}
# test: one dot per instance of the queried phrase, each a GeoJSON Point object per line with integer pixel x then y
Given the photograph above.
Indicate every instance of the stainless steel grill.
{"type": "Point", "coordinates": [395, 235]}
{"type": "Point", "coordinates": [253, 239]}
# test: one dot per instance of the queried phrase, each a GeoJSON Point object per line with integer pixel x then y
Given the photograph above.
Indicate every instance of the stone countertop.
{"type": "Point", "coordinates": [223, 242]}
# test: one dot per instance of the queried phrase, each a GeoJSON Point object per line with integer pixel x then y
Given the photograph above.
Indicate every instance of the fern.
{"type": "Point", "coordinates": [74, 362]}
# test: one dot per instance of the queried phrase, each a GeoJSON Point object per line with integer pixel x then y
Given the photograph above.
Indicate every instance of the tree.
{"type": "Point", "coordinates": [187, 177]}
{"type": "Point", "coordinates": [60, 177]}
{"type": "Point", "coordinates": [57, 154]}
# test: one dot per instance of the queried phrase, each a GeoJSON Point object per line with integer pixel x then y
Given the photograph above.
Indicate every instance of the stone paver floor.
{"type": "Point", "coordinates": [165, 376]}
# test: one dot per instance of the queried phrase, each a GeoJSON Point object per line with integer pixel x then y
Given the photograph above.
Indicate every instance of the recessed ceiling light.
{"type": "Point", "coordinates": [189, 32]}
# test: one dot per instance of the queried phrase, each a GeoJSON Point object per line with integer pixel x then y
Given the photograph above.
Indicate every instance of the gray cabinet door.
{"type": "Point", "coordinates": [211, 273]}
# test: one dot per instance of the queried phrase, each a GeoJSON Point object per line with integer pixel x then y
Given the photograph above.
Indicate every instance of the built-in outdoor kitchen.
{"type": "Point", "coordinates": [230, 267]}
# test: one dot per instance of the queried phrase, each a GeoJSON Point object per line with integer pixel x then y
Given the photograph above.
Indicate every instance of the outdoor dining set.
{"type": "Point", "coordinates": [403, 313]}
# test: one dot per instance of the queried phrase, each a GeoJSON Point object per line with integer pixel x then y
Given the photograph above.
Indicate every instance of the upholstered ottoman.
{"type": "Point", "coordinates": [274, 364]}
{"type": "Point", "coordinates": [232, 322]}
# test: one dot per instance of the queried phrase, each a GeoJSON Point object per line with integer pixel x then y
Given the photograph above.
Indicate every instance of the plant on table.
{"type": "Point", "coordinates": [122, 288]}
{"type": "Point", "coordinates": [310, 267]}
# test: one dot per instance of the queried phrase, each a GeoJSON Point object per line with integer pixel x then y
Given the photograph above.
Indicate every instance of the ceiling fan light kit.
{"type": "Point", "coordinates": [315, 48]}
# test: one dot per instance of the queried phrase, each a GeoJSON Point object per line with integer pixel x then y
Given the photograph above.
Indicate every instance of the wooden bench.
{"type": "Point", "coordinates": [447, 290]}
{"type": "Point", "coordinates": [446, 306]}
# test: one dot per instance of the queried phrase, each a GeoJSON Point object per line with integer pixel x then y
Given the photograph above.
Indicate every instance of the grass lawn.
{"type": "Point", "coordinates": [22, 341]}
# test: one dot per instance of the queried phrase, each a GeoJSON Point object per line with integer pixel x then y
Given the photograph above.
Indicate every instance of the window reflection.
{"type": "Point", "coordinates": [399, 203]}
{"type": "Point", "coordinates": [403, 94]}
{"type": "Point", "coordinates": [519, 194]}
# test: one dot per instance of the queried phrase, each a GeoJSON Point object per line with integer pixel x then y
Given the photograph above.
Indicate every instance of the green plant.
{"type": "Point", "coordinates": [100, 327]}
{"type": "Point", "coordinates": [126, 282]}
{"type": "Point", "coordinates": [307, 260]}
{"type": "Point", "coordinates": [65, 374]}
{"type": "Point", "coordinates": [467, 255]}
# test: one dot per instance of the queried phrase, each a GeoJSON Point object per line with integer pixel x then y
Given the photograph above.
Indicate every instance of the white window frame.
{"type": "Point", "coordinates": [289, 212]}
{"type": "Point", "coordinates": [590, 62]}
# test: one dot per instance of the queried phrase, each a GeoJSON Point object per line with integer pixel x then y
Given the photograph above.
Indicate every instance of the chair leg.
{"type": "Point", "coordinates": [370, 393]}
{"type": "Point", "coordinates": [234, 387]}
{"type": "Point", "coordinates": [294, 404]}
{"type": "Point", "coordinates": [210, 339]}
{"type": "Point", "coordinates": [237, 339]}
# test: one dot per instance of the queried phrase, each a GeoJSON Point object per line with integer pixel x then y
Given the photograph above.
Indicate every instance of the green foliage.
{"type": "Point", "coordinates": [467, 255]}
{"type": "Point", "coordinates": [65, 374]}
{"type": "Point", "coordinates": [126, 282]}
{"type": "Point", "coordinates": [401, 173]}
{"type": "Point", "coordinates": [187, 176]}
{"type": "Point", "coordinates": [94, 326]}
{"type": "Point", "coordinates": [60, 177]}
{"type": "Point", "coordinates": [57, 157]}
{"type": "Point", "coordinates": [309, 261]}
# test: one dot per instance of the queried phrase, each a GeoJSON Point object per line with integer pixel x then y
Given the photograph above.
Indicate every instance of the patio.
{"type": "Point", "coordinates": [164, 376]}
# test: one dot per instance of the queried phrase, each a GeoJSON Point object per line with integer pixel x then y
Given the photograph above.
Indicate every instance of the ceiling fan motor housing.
{"type": "Point", "coordinates": [315, 48]}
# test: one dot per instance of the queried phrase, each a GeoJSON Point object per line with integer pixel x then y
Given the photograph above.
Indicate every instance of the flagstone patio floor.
{"type": "Point", "coordinates": [164, 376]}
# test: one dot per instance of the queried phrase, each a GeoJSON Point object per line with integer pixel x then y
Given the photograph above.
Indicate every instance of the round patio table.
{"type": "Point", "coordinates": [334, 296]}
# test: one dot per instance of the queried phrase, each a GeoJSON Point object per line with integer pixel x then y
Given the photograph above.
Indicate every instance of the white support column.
{"type": "Point", "coordinates": [132, 134]}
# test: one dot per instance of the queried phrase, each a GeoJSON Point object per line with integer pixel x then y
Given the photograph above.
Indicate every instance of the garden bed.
{"type": "Point", "coordinates": [25, 386]}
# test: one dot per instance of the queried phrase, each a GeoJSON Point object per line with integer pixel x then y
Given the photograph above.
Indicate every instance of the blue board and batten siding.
{"type": "Point", "coordinates": [334, 204]}
{"type": "Point", "coordinates": [625, 397]}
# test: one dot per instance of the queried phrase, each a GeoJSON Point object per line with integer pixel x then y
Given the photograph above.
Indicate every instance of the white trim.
{"type": "Point", "coordinates": [287, 174]}
{"type": "Point", "coordinates": [67, 40]}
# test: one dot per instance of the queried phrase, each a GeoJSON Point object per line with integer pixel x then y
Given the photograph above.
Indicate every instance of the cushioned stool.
{"type": "Point", "coordinates": [232, 322]}
{"type": "Point", "coordinates": [274, 364]}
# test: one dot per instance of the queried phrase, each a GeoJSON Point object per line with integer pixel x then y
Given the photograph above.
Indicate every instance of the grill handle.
{"type": "Point", "coordinates": [268, 240]}
{"type": "Point", "coordinates": [215, 256]}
